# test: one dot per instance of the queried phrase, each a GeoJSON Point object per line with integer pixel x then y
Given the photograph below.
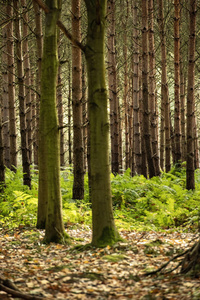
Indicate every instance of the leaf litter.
{"type": "Point", "coordinates": [58, 271]}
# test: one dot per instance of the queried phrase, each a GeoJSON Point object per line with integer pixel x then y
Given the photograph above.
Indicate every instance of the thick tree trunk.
{"type": "Point", "coordinates": [39, 43]}
{"type": "Point", "coordinates": [49, 195]}
{"type": "Point", "coordinates": [104, 231]}
{"type": "Point", "coordinates": [190, 180]}
{"type": "Point", "coordinates": [78, 184]}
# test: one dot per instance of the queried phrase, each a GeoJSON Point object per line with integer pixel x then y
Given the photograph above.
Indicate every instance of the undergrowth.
{"type": "Point", "coordinates": [139, 203]}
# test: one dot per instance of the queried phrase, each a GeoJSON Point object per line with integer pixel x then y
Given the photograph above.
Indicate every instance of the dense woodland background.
{"type": "Point", "coordinates": [84, 86]}
{"type": "Point", "coordinates": [22, 30]}
{"type": "Point", "coordinates": [151, 56]}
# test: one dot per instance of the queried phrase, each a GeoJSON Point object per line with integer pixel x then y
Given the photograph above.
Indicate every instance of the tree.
{"type": "Point", "coordinates": [104, 231]}
{"type": "Point", "coordinates": [145, 89]}
{"type": "Point", "coordinates": [11, 88]}
{"type": "Point", "coordinates": [112, 80]}
{"type": "Point", "coordinates": [78, 162]}
{"type": "Point", "coordinates": [190, 180]}
{"type": "Point", "coordinates": [21, 96]}
{"type": "Point", "coordinates": [136, 91]}
{"type": "Point", "coordinates": [152, 89]}
{"type": "Point", "coordinates": [165, 107]}
{"type": "Point", "coordinates": [177, 118]}
{"type": "Point", "coordinates": [49, 195]}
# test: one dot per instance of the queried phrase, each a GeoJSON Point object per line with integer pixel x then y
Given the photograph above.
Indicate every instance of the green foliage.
{"type": "Point", "coordinates": [139, 203]}
{"type": "Point", "coordinates": [159, 203]}
{"type": "Point", "coordinates": [18, 204]}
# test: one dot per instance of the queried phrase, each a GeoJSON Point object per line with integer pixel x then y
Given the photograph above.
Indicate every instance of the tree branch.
{"type": "Point", "coordinates": [61, 26]}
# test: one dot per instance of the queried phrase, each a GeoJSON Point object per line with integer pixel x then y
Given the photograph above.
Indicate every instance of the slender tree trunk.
{"type": "Point", "coordinates": [49, 194]}
{"type": "Point", "coordinates": [11, 88]}
{"type": "Point", "coordinates": [2, 166]}
{"type": "Point", "coordinates": [85, 115]}
{"type": "Point", "coordinates": [136, 91]}
{"type": "Point", "coordinates": [183, 121]}
{"type": "Point", "coordinates": [112, 77]}
{"type": "Point", "coordinates": [125, 92]}
{"type": "Point", "coordinates": [190, 180]}
{"type": "Point", "coordinates": [152, 90]}
{"type": "Point", "coordinates": [78, 184]}
{"type": "Point", "coordinates": [104, 231]}
{"type": "Point", "coordinates": [60, 117]}
{"type": "Point", "coordinates": [69, 120]}
{"type": "Point", "coordinates": [5, 97]}
{"type": "Point", "coordinates": [177, 118]}
{"type": "Point", "coordinates": [145, 89]}
{"type": "Point", "coordinates": [21, 95]}
{"type": "Point", "coordinates": [165, 105]}
{"type": "Point", "coordinates": [27, 78]}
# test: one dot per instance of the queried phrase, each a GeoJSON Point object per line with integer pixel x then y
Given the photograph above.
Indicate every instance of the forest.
{"type": "Point", "coordinates": [99, 149]}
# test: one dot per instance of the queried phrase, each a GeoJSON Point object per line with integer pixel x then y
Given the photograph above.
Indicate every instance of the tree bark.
{"type": "Point", "coordinates": [177, 117]}
{"type": "Point", "coordinates": [112, 79]}
{"type": "Point", "coordinates": [78, 162]}
{"type": "Point", "coordinates": [135, 92]}
{"type": "Point", "coordinates": [21, 96]}
{"type": "Point", "coordinates": [190, 180]}
{"type": "Point", "coordinates": [165, 106]}
{"type": "Point", "coordinates": [11, 89]}
{"type": "Point", "coordinates": [152, 90]}
{"type": "Point", "coordinates": [145, 89]}
{"type": "Point", "coordinates": [49, 194]}
{"type": "Point", "coordinates": [104, 231]}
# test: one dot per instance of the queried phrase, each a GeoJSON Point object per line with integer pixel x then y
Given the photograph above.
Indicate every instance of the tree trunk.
{"type": "Point", "coordinates": [27, 78]}
{"type": "Point", "coordinates": [2, 166]}
{"type": "Point", "coordinates": [136, 91]}
{"type": "Point", "coordinates": [78, 184]}
{"type": "Point", "coordinates": [145, 89]}
{"type": "Point", "coordinates": [11, 89]}
{"type": "Point", "coordinates": [190, 180]}
{"type": "Point", "coordinates": [112, 79]}
{"type": "Point", "coordinates": [165, 106]}
{"type": "Point", "coordinates": [39, 43]}
{"type": "Point", "coordinates": [5, 97]}
{"type": "Point", "coordinates": [21, 95]}
{"type": "Point", "coordinates": [60, 117]}
{"type": "Point", "coordinates": [177, 111]}
{"type": "Point", "coordinates": [49, 194]}
{"type": "Point", "coordinates": [152, 90]}
{"type": "Point", "coordinates": [69, 120]}
{"type": "Point", "coordinates": [104, 231]}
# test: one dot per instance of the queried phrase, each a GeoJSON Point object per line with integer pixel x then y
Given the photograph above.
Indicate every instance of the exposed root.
{"type": "Point", "coordinates": [10, 288]}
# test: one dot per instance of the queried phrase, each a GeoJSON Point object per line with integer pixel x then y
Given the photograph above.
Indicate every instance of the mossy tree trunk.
{"type": "Point", "coordinates": [104, 231]}
{"type": "Point", "coordinates": [50, 201]}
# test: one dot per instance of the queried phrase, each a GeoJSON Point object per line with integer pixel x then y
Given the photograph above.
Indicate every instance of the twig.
{"type": "Point", "coordinates": [166, 264]}
{"type": "Point", "coordinates": [61, 26]}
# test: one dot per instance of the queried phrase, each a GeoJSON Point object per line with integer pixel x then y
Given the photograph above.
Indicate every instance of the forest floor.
{"type": "Point", "coordinates": [62, 272]}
